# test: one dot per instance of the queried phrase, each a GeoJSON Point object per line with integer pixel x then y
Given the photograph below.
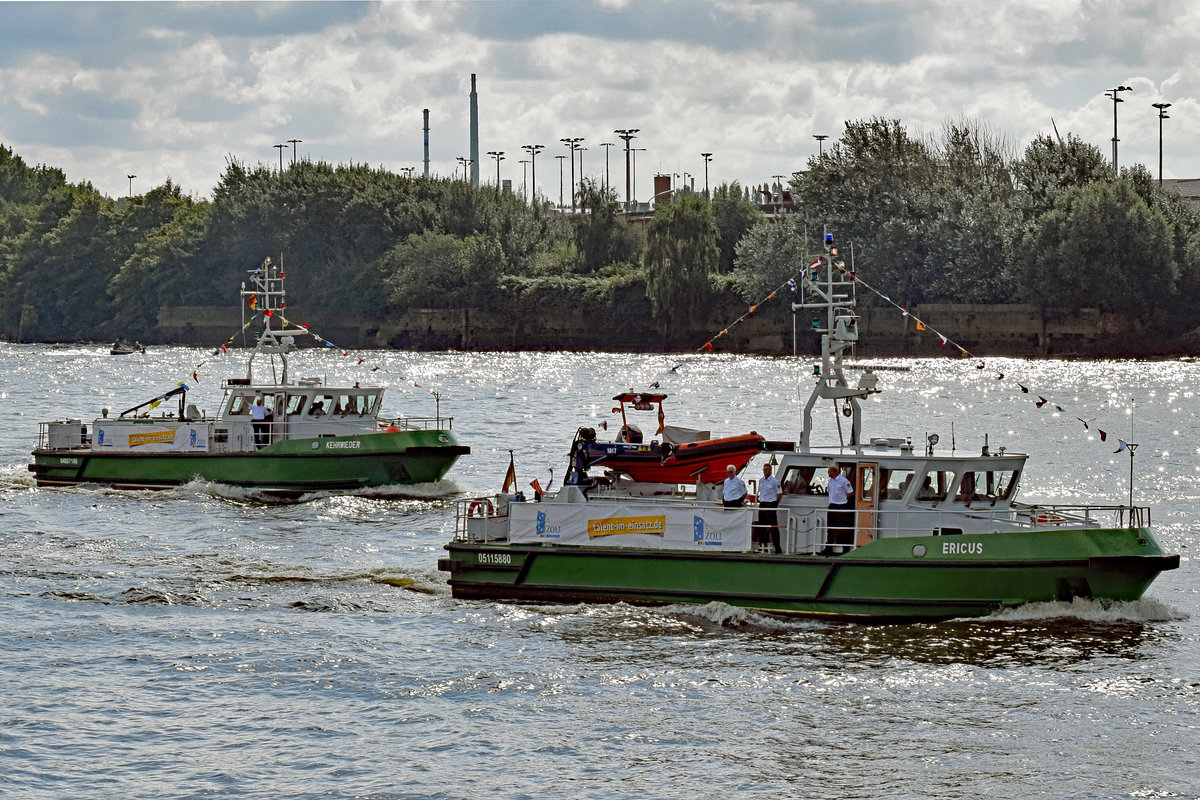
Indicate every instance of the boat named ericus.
{"type": "Point", "coordinates": [924, 534]}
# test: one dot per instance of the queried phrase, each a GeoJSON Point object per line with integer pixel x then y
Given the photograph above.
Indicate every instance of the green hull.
{"type": "Point", "coordinates": [960, 576]}
{"type": "Point", "coordinates": [341, 463]}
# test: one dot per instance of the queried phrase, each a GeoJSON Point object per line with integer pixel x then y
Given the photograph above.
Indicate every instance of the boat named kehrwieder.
{"type": "Point", "coordinates": [308, 437]}
{"type": "Point", "coordinates": [930, 535]}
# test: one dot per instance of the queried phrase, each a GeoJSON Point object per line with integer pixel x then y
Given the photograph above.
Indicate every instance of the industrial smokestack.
{"type": "Point", "coordinates": [427, 144]}
{"type": "Point", "coordinates": [474, 134]}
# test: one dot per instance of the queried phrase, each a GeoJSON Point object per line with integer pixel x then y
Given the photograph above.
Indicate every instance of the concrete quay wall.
{"type": "Point", "coordinates": [980, 329]}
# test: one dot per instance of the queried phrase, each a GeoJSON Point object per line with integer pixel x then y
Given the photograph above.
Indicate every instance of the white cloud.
{"type": "Point", "coordinates": [748, 81]}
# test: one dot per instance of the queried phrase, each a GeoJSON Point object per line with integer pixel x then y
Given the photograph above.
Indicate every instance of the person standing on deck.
{"type": "Point", "coordinates": [769, 492]}
{"type": "Point", "coordinates": [840, 520]}
{"type": "Point", "coordinates": [258, 416]}
{"type": "Point", "coordinates": [733, 493]}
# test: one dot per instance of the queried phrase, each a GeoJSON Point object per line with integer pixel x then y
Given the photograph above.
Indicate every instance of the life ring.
{"type": "Point", "coordinates": [481, 508]}
{"type": "Point", "coordinates": [1043, 518]}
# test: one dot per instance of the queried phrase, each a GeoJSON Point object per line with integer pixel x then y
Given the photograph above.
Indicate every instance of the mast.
{"type": "Point", "coordinates": [267, 297]}
{"type": "Point", "coordinates": [827, 285]}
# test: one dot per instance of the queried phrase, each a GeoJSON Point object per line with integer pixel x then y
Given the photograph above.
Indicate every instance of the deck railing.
{"type": "Point", "coordinates": [805, 531]}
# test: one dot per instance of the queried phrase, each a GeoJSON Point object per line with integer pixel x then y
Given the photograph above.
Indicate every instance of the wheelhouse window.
{"type": "Point", "coordinates": [935, 485]}
{"type": "Point", "coordinates": [798, 480]}
{"type": "Point", "coordinates": [295, 404]}
{"type": "Point", "coordinates": [240, 404]}
{"type": "Point", "coordinates": [991, 485]}
{"type": "Point", "coordinates": [320, 405]}
{"type": "Point", "coordinates": [896, 483]}
{"type": "Point", "coordinates": [866, 483]}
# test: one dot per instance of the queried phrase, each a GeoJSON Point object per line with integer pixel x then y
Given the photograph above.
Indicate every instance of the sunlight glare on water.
{"type": "Point", "coordinates": [203, 642]}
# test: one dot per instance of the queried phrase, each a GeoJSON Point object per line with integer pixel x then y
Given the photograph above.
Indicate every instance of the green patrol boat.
{"type": "Point", "coordinates": [277, 436]}
{"type": "Point", "coordinates": [924, 535]}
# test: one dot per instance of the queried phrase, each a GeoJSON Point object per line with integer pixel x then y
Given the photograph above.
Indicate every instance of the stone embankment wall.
{"type": "Point", "coordinates": [980, 329]}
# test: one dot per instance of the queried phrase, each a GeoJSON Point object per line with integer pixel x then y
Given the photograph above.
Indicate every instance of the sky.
{"type": "Point", "coordinates": [179, 90]}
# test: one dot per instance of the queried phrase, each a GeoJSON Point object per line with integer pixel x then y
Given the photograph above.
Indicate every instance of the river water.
{"type": "Point", "coordinates": [202, 643]}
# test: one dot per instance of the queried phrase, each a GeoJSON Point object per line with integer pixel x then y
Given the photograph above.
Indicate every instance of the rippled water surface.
{"type": "Point", "coordinates": [202, 643]}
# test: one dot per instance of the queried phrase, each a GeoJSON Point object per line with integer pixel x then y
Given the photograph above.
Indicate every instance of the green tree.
{"type": "Point", "coordinates": [602, 235]}
{"type": "Point", "coordinates": [734, 216]}
{"type": "Point", "coordinates": [681, 252]}
{"type": "Point", "coordinates": [772, 252]}
{"type": "Point", "coordinates": [876, 189]}
{"type": "Point", "coordinates": [1051, 166]}
{"type": "Point", "coordinates": [1101, 246]}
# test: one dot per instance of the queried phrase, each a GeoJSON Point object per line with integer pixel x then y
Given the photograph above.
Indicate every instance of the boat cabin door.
{"type": "Point", "coordinates": [866, 489]}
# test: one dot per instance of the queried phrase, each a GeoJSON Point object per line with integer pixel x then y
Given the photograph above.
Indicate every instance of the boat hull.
{"type": "Point", "coordinates": [883, 581]}
{"type": "Point", "coordinates": [343, 463]}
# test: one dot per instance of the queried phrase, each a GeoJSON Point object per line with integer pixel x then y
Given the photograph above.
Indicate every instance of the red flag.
{"type": "Point", "coordinates": [510, 477]}
{"type": "Point", "coordinates": [708, 346]}
{"type": "Point", "coordinates": [537, 487]}
{"type": "Point", "coordinates": [253, 301]}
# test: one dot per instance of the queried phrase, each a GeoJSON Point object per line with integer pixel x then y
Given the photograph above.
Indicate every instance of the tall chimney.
{"type": "Point", "coordinates": [427, 144]}
{"type": "Point", "coordinates": [474, 134]}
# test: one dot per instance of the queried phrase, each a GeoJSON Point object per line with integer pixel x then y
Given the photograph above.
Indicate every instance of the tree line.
{"type": "Point", "coordinates": [953, 217]}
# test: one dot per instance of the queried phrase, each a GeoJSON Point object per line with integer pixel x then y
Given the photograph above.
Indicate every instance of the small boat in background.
{"type": "Point", "coordinates": [123, 348]}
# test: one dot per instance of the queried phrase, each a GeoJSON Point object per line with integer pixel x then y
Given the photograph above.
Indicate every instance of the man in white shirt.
{"type": "Point", "coordinates": [733, 493]}
{"type": "Point", "coordinates": [840, 520]}
{"type": "Point", "coordinates": [258, 417]}
{"type": "Point", "coordinates": [769, 492]}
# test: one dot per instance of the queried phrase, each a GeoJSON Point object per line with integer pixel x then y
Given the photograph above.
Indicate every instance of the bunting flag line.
{"type": "Point", "coordinates": [922, 326]}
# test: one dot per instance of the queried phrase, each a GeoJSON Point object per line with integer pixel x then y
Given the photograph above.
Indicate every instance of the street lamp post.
{"type": "Point", "coordinates": [1162, 114]}
{"type": "Point", "coordinates": [1113, 93]}
{"type": "Point", "coordinates": [524, 172]}
{"type": "Point", "coordinates": [607, 146]}
{"type": "Point", "coordinates": [627, 134]}
{"type": "Point", "coordinates": [293, 143]}
{"type": "Point", "coordinates": [131, 177]}
{"type": "Point", "coordinates": [820, 137]}
{"type": "Point", "coordinates": [280, 148]}
{"type": "Point", "coordinates": [499, 156]}
{"type": "Point", "coordinates": [533, 150]}
{"type": "Point", "coordinates": [572, 144]}
{"type": "Point", "coordinates": [707, 158]}
{"type": "Point", "coordinates": [560, 180]}
{"type": "Point", "coordinates": [464, 162]}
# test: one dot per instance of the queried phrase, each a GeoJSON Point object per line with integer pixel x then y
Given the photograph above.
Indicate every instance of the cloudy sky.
{"type": "Point", "coordinates": [175, 90]}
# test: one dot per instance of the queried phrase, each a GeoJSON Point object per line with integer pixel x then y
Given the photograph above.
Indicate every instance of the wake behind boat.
{"type": "Point", "coordinates": [921, 534]}
{"type": "Point", "coordinates": [274, 435]}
